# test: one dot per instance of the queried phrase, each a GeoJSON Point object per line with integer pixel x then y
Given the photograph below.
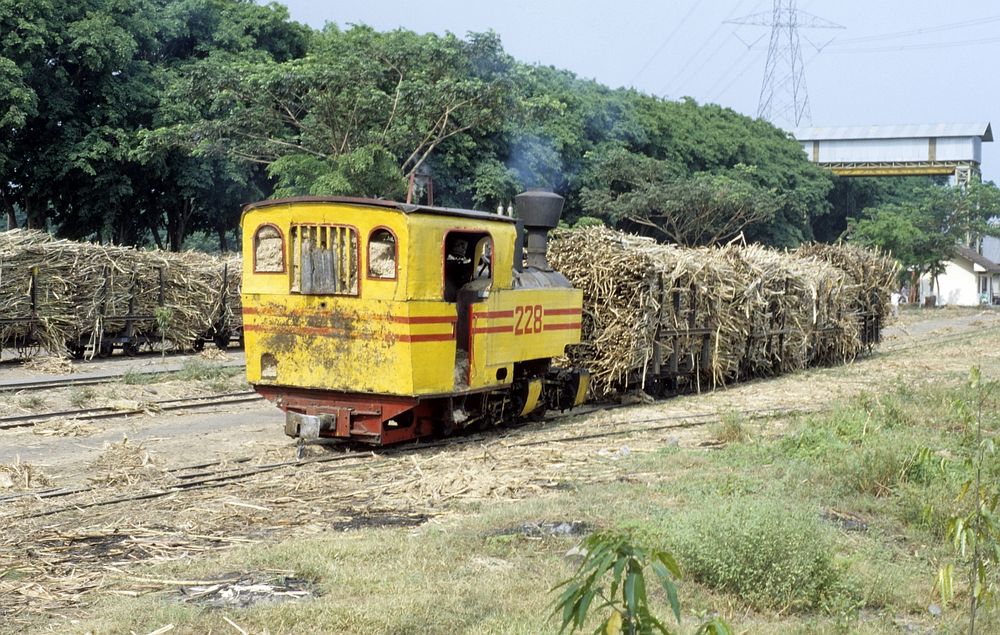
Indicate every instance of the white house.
{"type": "Point", "coordinates": [969, 279]}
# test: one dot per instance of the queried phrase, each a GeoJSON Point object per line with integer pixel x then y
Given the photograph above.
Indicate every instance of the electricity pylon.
{"type": "Point", "coordinates": [783, 94]}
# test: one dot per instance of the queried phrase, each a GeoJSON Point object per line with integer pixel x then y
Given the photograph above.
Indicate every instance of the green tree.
{"type": "Point", "coordinates": [562, 118]}
{"type": "Point", "coordinates": [925, 231]}
{"type": "Point", "coordinates": [68, 65]}
{"type": "Point", "coordinates": [82, 79]}
{"type": "Point", "coordinates": [358, 115]}
{"type": "Point", "coordinates": [646, 195]}
{"type": "Point", "coordinates": [851, 195]}
{"type": "Point", "coordinates": [136, 120]}
{"type": "Point", "coordinates": [180, 191]}
{"type": "Point", "coordinates": [711, 138]}
{"type": "Point", "coordinates": [975, 209]}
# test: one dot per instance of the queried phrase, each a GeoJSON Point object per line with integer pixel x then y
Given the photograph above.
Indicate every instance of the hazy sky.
{"type": "Point", "coordinates": [898, 61]}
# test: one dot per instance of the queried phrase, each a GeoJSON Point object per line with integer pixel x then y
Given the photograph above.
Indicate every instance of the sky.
{"type": "Point", "coordinates": [894, 62]}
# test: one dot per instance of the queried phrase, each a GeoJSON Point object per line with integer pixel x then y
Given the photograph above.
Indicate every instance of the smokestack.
{"type": "Point", "coordinates": [540, 210]}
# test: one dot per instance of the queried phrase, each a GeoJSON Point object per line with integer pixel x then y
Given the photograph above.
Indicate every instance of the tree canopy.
{"type": "Point", "coordinates": [80, 81]}
{"type": "Point", "coordinates": [142, 121]}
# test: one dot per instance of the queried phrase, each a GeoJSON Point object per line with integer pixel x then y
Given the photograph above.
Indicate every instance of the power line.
{"type": "Point", "coordinates": [715, 51]}
{"type": "Point", "coordinates": [740, 72]}
{"type": "Point", "coordinates": [696, 53]}
{"type": "Point", "coordinates": [705, 61]}
{"type": "Point", "coordinates": [918, 47]}
{"type": "Point", "coordinates": [663, 45]}
{"type": "Point", "coordinates": [739, 69]}
{"type": "Point", "coordinates": [921, 31]}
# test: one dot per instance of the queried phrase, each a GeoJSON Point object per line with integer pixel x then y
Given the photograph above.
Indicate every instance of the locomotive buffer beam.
{"type": "Point", "coordinates": [330, 424]}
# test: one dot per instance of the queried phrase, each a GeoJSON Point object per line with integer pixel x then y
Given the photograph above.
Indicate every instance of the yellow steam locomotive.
{"type": "Point", "coordinates": [381, 322]}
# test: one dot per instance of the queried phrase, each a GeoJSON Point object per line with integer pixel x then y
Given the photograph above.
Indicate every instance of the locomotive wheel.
{"type": "Point", "coordinates": [221, 341]}
{"type": "Point", "coordinates": [131, 349]}
{"type": "Point", "coordinates": [105, 349]}
{"type": "Point", "coordinates": [198, 345]}
{"type": "Point", "coordinates": [77, 351]}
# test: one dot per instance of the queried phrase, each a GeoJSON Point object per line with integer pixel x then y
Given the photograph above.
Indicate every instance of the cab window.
{"type": "Point", "coordinates": [268, 250]}
{"type": "Point", "coordinates": [382, 255]}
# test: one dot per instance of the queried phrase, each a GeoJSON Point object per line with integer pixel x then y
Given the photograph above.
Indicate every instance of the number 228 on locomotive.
{"type": "Point", "coordinates": [381, 322]}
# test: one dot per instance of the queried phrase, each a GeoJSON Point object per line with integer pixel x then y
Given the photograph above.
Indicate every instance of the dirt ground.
{"type": "Point", "coordinates": [184, 437]}
{"type": "Point", "coordinates": [58, 554]}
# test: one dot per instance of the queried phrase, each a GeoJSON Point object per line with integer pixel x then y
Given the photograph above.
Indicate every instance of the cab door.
{"type": "Point", "coordinates": [467, 282]}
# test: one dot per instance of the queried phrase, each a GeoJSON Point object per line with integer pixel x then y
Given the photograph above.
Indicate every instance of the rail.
{"type": "Point", "coordinates": [106, 412]}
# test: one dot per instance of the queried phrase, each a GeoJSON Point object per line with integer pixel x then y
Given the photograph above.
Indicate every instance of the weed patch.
{"type": "Point", "coordinates": [133, 378]}
{"type": "Point", "coordinates": [32, 403]}
{"type": "Point", "coordinates": [758, 549]}
{"type": "Point", "coordinates": [83, 397]}
{"type": "Point", "coordinates": [193, 370]}
{"type": "Point", "coordinates": [881, 469]}
{"type": "Point", "coordinates": [731, 429]}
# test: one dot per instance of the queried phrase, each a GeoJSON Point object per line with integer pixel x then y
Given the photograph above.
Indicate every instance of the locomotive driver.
{"type": "Point", "coordinates": [456, 268]}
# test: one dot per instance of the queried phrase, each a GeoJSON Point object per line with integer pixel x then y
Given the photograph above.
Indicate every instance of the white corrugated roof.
{"type": "Point", "coordinates": [902, 131]}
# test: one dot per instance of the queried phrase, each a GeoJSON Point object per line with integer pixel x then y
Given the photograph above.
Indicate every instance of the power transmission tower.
{"type": "Point", "coordinates": [783, 94]}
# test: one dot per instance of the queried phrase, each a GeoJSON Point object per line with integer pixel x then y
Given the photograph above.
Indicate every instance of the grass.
{"type": "Point", "coordinates": [199, 370]}
{"type": "Point", "coordinates": [135, 378]}
{"type": "Point", "coordinates": [441, 581]}
{"type": "Point", "coordinates": [216, 376]}
{"type": "Point", "coordinates": [732, 428]}
{"type": "Point", "coordinates": [83, 397]}
{"type": "Point", "coordinates": [32, 402]}
{"type": "Point", "coordinates": [835, 525]}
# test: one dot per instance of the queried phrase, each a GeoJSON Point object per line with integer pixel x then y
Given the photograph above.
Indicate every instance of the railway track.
{"type": "Point", "coordinates": [206, 475]}
{"type": "Point", "coordinates": [197, 476]}
{"type": "Point", "coordinates": [887, 349]}
{"type": "Point", "coordinates": [107, 412]}
{"type": "Point", "coordinates": [17, 359]}
{"type": "Point", "coordinates": [67, 382]}
{"type": "Point", "coordinates": [190, 478]}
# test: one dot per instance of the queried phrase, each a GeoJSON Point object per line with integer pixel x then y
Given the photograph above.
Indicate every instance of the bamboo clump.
{"type": "Point", "coordinates": [705, 317]}
{"type": "Point", "coordinates": [83, 292]}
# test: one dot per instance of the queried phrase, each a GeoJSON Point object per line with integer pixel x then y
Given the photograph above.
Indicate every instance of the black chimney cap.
{"type": "Point", "coordinates": [539, 208]}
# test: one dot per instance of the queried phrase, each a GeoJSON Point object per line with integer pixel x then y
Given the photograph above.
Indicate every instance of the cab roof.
{"type": "Point", "coordinates": [405, 208]}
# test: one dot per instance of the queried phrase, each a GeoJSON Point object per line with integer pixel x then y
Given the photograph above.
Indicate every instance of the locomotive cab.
{"type": "Point", "coordinates": [381, 322]}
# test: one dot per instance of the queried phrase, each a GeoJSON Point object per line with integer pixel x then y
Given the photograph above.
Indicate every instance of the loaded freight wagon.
{"type": "Point", "coordinates": [668, 319]}
{"type": "Point", "coordinates": [87, 300]}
